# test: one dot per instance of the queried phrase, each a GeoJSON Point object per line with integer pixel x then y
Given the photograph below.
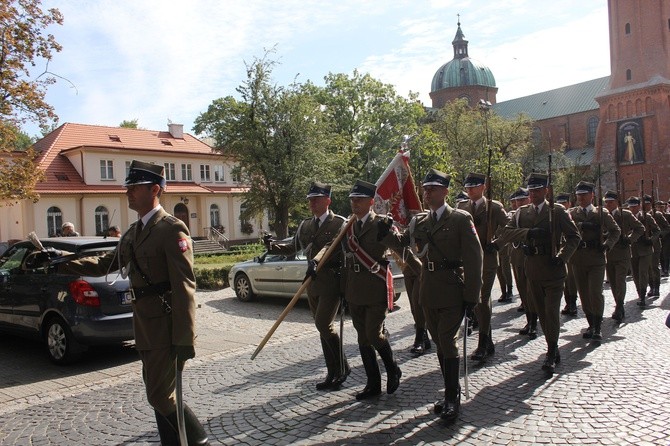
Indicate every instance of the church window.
{"type": "Point", "coordinates": [627, 28]}
{"type": "Point", "coordinates": [629, 74]}
{"type": "Point", "coordinates": [591, 127]}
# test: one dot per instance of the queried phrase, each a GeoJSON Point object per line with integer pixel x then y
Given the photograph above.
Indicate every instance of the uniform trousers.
{"type": "Point", "coordinates": [158, 373]}
{"type": "Point", "coordinates": [443, 324]}
{"type": "Point", "coordinates": [655, 267]}
{"type": "Point", "coordinates": [519, 270]}
{"type": "Point", "coordinates": [505, 269]}
{"type": "Point", "coordinates": [589, 281]}
{"type": "Point", "coordinates": [483, 309]}
{"type": "Point", "coordinates": [617, 270]}
{"type": "Point", "coordinates": [641, 265]}
{"type": "Point", "coordinates": [413, 287]}
{"type": "Point", "coordinates": [368, 321]}
{"type": "Point", "coordinates": [546, 297]}
{"type": "Point", "coordinates": [324, 301]}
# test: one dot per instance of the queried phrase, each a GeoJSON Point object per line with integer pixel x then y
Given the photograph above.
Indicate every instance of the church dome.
{"type": "Point", "coordinates": [462, 71]}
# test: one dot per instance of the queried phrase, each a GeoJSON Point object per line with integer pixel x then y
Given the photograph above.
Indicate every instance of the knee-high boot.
{"type": "Point", "coordinates": [452, 391]}
{"type": "Point", "coordinates": [374, 379]}
{"type": "Point", "coordinates": [393, 372]}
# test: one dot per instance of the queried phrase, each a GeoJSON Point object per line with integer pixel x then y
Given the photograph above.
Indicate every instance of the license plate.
{"type": "Point", "coordinates": [126, 297]}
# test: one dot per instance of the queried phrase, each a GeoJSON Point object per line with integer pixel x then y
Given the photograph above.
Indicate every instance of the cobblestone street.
{"type": "Point", "coordinates": [615, 393]}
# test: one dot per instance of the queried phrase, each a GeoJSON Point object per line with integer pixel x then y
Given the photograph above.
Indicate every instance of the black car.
{"type": "Point", "coordinates": [68, 312]}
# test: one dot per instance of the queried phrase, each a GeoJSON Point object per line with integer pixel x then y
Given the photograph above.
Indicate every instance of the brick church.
{"type": "Point", "coordinates": [621, 121]}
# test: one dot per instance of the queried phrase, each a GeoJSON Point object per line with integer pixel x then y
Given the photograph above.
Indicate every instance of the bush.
{"type": "Point", "coordinates": [212, 278]}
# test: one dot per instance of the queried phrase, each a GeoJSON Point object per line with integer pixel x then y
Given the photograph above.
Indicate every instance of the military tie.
{"type": "Point", "coordinates": [139, 226]}
{"type": "Point", "coordinates": [435, 216]}
{"type": "Point", "coordinates": [317, 222]}
{"type": "Point", "coordinates": [359, 226]}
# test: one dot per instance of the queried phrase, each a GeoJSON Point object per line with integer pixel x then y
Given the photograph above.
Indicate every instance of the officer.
{"type": "Point", "coordinates": [642, 250]}
{"type": "Point", "coordinates": [520, 198]}
{"type": "Point", "coordinates": [655, 273]}
{"type": "Point", "coordinates": [599, 233]}
{"type": "Point", "coordinates": [313, 237]}
{"type": "Point", "coordinates": [570, 289]}
{"type": "Point", "coordinates": [618, 258]}
{"type": "Point", "coordinates": [412, 273]}
{"type": "Point", "coordinates": [157, 255]}
{"type": "Point", "coordinates": [451, 280]}
{"type": "Point", "coordinates": [489, 216]}
{"type": "Point", "coordinates": [549, 238]}
{"type": "Point", "coordinates": [367, 288]}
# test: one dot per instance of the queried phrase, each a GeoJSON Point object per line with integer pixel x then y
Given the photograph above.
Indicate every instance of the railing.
{"type": "Point", "coordinates": [217, 236]}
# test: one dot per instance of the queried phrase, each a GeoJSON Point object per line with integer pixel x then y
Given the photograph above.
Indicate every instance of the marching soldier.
{"type": "Point", "coordinates": [570, 291]}
{"type": "Point", "coordinates": [655, 273]}
{"type": "Point", "coordinates": [619, 257]}
{"type": "Point", "coordinates": [662, 207]}
{"type": "Point", "coordinates": [518, 199]}
{"type": "Point", "coordinates": [412, 274]}
{"type": "Point", "coordinates": [599, 233]}
{"type": "Point", "coordinates": [504, 272]}
{"type": "Point", "coordinates": [313, 237]}
{"type": "Point", "coordinates": [488, 216]}
{"type": "Point", "coordinates": [549, 238]}
{"type": "Point", "coordinates": [642, 249]}
{"type": "Point", "coordinates": [368, 288]}
{"type": "Point", "coordinates": [156, 253]}
{"type": "Point", "coordinates": [451, 279]}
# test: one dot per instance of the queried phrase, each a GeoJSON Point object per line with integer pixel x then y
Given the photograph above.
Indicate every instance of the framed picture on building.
{"type": "Point", "coordinates": [630, 147]}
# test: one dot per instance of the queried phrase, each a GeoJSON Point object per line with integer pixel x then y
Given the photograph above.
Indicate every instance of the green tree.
{"type": "Point", "coordinates": [23, 45]}
{"type": "Point", "coordinates": [280, 138]}
{"type": "Point", "coordinates": [129, 124]}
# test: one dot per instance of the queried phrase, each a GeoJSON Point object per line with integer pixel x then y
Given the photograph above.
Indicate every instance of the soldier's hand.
{"type": "Point", "coordinates": [557, 261]}
{"type": "Point", "coordinates": [537, 234]}
{"type": "Point", "coordinates": [491, 248]}
{"type": "Point", "coordinates": [267, 239]}
{"type": "Point", "coordinates": [384, 227]}
{"type": "Point", "coordinates": [311, 269]}
{"type": "Point", "coordinates": [183, 353]}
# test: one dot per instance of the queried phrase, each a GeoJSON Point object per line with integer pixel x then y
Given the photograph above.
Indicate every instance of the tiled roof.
{"type": "Point", "coordinates": [581, 157]}
{"type": "Point", "coordinates": [558, 102]}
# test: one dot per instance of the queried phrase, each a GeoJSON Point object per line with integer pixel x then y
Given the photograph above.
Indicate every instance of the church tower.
{"type": "Point", "coordinates": [634, 132]}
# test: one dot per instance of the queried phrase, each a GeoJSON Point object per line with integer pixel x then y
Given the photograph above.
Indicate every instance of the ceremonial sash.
{"type": "Point", "coordinates": [365, 259]}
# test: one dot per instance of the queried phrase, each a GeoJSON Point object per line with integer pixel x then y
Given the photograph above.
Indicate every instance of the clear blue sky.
{"type": "Point", "coordinates": [160, 60]}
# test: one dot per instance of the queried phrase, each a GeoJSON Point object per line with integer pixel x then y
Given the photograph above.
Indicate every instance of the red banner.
{"type": "Point", "coordinates": [395, 190]}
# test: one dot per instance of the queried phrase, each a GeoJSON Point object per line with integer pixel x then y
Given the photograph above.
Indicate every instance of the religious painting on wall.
{"type": "Point", "coordinates": [630, 148]}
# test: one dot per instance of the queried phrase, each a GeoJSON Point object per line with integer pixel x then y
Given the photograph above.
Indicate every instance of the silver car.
{"type": "Point", "coordinates": [282, 275]}
{"type": "Point", "coordinates": [68, 312]}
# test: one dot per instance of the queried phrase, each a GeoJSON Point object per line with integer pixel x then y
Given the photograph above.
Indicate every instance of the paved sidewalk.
{"type": "Point", "coordinates": [615, 393]}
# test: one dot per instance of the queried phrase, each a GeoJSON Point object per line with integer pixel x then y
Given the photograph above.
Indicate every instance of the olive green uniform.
{"type": "Point", "coordinates": [411, 269]}
{"type": "Point", "coordinates": [655, 270]}
{"type": "Point", "coordinates": [642, 251]}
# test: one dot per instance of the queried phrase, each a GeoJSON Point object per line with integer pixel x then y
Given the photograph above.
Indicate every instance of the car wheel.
{"type": "Point", "coordinates": [243, 288]}
{"type": "Point", "coordinates": [62, 348]}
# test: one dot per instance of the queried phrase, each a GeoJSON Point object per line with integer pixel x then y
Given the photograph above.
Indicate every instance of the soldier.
{"type": "Point", "coordinates": [157, 255]}
{"type": "Point", "coordinates": [618, 258]}
{"type": "Point", "coordinates": [599, 233]}
{"type": "Point", "coordinates": [520, 198]}
{"type": "Point", "coordinates": [662, 207]}
{"type": "Point", "coordinates": [451, 279]}
{"type": "Point", "coordinates": [642, 249]}
{"type": "Point", "coordinates": [412, 273]}
{"type": "Point", "coordinates": [313, 237]}
{"type": "Point", "coordinates": [489, 216]}
{"type": "Point", "coordinates": [654, 272]}
{"type": "Point", "coordinates": [549, 238]}
{"type": "Point", "coordinates": [504, 273]}
{"type": "Point", "coordinates": [570, 289]}
{"type": "Point", "coordinates": [366, 290]}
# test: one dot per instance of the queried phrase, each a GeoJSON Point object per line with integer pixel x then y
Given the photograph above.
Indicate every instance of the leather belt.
{"type": "Point", "coordinates": [588, 244]}
{"type": "Point", "coordinates": [444, 264]}
{"type": "Point", "coordinates": [540, 250]}
{"type": "Point", "coordinates": [152, 290]}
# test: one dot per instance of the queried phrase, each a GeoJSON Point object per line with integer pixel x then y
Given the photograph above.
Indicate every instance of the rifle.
{"type": "Point", "coordinates": [489, 208]}
{"type": "Point", "coordinates": [616, 186]}
{"type": "Point", "coordinates": [552, 220]}
{"type": "Point", "coordinates": [600, 208]}
{"type": "Point", "coordinates": [644, 212]}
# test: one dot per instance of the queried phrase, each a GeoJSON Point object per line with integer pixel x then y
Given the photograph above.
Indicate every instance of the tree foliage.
{"type": "Point", "coordinates": [129, 124]}
{"type": "Point", "coordinates": [23, 46]}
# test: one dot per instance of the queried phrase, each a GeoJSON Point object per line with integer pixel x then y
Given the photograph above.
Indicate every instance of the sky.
{"type": "Point", "coordinates": [160, 61]}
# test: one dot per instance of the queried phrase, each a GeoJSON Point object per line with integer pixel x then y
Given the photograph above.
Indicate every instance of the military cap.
{"type": "Point", "coordinates": [363, 189]}
{"type": "Point", "coordinates": [537, 180]}
{"type": "Point", "coordinates": [584, 187]}
{"type": "Point", "coordinates": [474, 180]}
{"type": "Point", "coordinates": [660, 202]}
{"type": "Point", "coordinates": [145, 173]}
{"type": "Point", "coordinates": [562, 198]}
{"type": "Point", "coordinates": [518, 194]}
{"type": "Point", "coordinates": [318, 190]}
{"type": "Point", "coordinates": [611, 195]}
{"type": "Point", "coordinates": [647, 198]}
{"type": "Point", "coordinates": [633, 201]}
{"type": "Point", "coordinates": [436, 178]}
{"type": "Point", "coordinates": [462, 196]}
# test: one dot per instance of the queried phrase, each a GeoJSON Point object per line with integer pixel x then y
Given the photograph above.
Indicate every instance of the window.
{"type": "Point", "coordinates": [591, 128]}
{"type": "Point", "coordinates": [204, 173]}
{"type": "Point", "coordinates": [245, 225]}
{"type": "Point", "coordinates": [537, 137]}
{"type": "Point", "coordinates": [170, 174]}
{"type": "Point", "coordinates": [629, 75]}
{"type": "Point", "coordinates": [101, 220]}
{"type": "Point", "coordinates": [627, 28]}
{"type": "Point", "coordinates": [218, 174]}
{"type": "Point", "coordinates": [186, 173]}
{"type": "Point", "coordinates": [237, 175]}
{"type": "Point", "coordinates": [54, 221]}
{"type": "Point", "coordinates": [106, 170]}
{"type": "Point", "coordinates": [127, 168]}
{"type": "Point", "coordinates": [214, 216]}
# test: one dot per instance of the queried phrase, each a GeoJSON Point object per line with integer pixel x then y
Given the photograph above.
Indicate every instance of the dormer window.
{"type": "Point", "coordinates": [114, 138]}
{"type": "Point", "coordinates": [165, 142]}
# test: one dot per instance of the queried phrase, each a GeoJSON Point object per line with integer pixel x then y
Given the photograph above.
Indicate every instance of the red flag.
{"type": "Point", "coordinates": [395, 190]}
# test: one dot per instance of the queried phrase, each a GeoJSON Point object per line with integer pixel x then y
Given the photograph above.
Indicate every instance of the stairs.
{"type": "Point", "coordinates": [206, 246]}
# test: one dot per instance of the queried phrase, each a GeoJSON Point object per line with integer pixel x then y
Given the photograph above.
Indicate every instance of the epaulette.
{"type": "Point", "coordinates": [340, 217]}
{"type": "Point", "coordinates": [171, 219]}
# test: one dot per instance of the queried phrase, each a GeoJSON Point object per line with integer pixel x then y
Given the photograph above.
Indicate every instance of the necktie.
{"type": "Point", "coordinates": [139, 226]}
{"type": "Point", "coordinates": [537, 210]}
{"type": "Point", "coordinates": [359, 225]}
{"type": "Point", "coordinates": [435, 216]}
{"type": "Point", "coordinates": [317, 222]}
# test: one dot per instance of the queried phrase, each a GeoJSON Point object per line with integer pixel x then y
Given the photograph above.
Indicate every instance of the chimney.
{"type": "Point", "coordinates": [176, 130]}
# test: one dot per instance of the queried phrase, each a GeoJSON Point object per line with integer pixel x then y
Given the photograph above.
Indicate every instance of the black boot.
{"type": "Point", "coordinates": [588, 334]}
{"type": "Point", "coordinates": [597, 322]}
{"type": "Point", "coordinates": [329, 355]}
{"type": "Point", "coordinates": [393, 372]}
{"type": "Point", "coordinates": [573, 306]}
{"type": "Point", "coordinates": [195, 433]}
{"type": "Point", "coordinates": [341, 369]}
{"type": "Point", "coordinates": [619, 313]}
{"type": "Point", "coordinates": [483, 347]}
{"type": "Point", "coordinates": [374, 378]}
{"type": "Point", "coordinates": [426, 341]}
{"type": "Point", "coordinates": [532, 332]}
{"type": "Point", "coordinates": [642, 302]}
{"type": "Point", "coordinates": [439, 404]}
{"type": "Point", "coordinates": [167, 431]}
{"type": "Point", "coordinates": [566, 308]}
{"type": "Point", "coordinates": [553, 357]}
{"type": "Point", "coordinates": [526, 328]}
{"type": "Point", "coordinates": [419, 342]}
{"type": "Point", "coordinates": [452, 391]}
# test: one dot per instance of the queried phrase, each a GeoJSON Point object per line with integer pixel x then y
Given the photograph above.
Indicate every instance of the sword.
{"type": "Point", "coordinates": [180, 404]}
{"type": "Point", "coordinates": [465, 356]}
{"type": "Point", "coordinates": [342, 337]}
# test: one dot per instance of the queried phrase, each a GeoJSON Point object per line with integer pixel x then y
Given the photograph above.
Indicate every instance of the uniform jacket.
{"type": "Point", "coordinates": [631, 230]}
{"type": "Point", "coordinates": [454, 240]}
{"type": "Point", "coordinates": [566, 238]}
{"type": "Point", "coordinates": [499, 219]}
{"type": "Point", "coordinates": [643, 247]}
{"type": "Point", "coordinates": [164, 253]}
{"type": "Point", "coordinates": [589, 252]}
{"type": "Point", "coordinates": [664, 227]}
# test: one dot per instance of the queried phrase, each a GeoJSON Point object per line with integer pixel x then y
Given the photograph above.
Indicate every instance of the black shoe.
{"type": "Point", "coordinates": [597, 334]}
{"type": "Point", "coordinates": [370, 390]}
{"type": "Point", "coordinates": [393, 380]}
{"type": "Point", "coordinates": [521, 309]}
{"type": "Point", "coordinates": [642, 303]}
{"type": "Point", "coordinates": [566, 309]}
{"type": "Point", "coordinates": [618, 314]}
{"type": "Point", "coordinates": [553, 357]}
{"type": "Point", "coordinates": [532, 333]}
{"type": "Point", "coordinates": [484, 349]}
{"type": "Point", "coordinates": [451, 409]}
{"type": "Point", "coordinates": [421, 342]}
{"type": "Point", "coordinates": [588, 333]}
{"type": "Point", "coordinates": [426, 343]}
{"type": "Point", "coordinates": [525, 330]}
{"type": "Point", "coordinates": [340, 378]}
{"type": "Point", "coordinates": [438, 406]}
{"type": "Point", "coordinates": [326, 383]}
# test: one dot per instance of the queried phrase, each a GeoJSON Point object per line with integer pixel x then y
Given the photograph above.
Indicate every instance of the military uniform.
{"type": "Point", "coordinates": [570, 289]}
{"type": "Point", "coordinates": [156, 253]}
{"type": "Point", "coordinates": [654, 272]}
{"type": "Point", "coordinates": [411, 269]}
{"type": "Point", "coordinates": [588, 261]}
{"type": "Point", "coordinates": [546, 274]}
{"type": "Point", "coordinates": [313, 237]}
{"type": "Point", "coordinates": [619, 257]}
{"type": "Point", "coordinates": [486, 230]}
{"type": "Point", "coordinates": [642, 250]}
{"type": "Point", "coordinates": [504, 272]}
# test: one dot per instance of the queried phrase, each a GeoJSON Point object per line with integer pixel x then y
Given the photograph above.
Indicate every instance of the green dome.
{"type": "Point", "coordinates": [460, 73]}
